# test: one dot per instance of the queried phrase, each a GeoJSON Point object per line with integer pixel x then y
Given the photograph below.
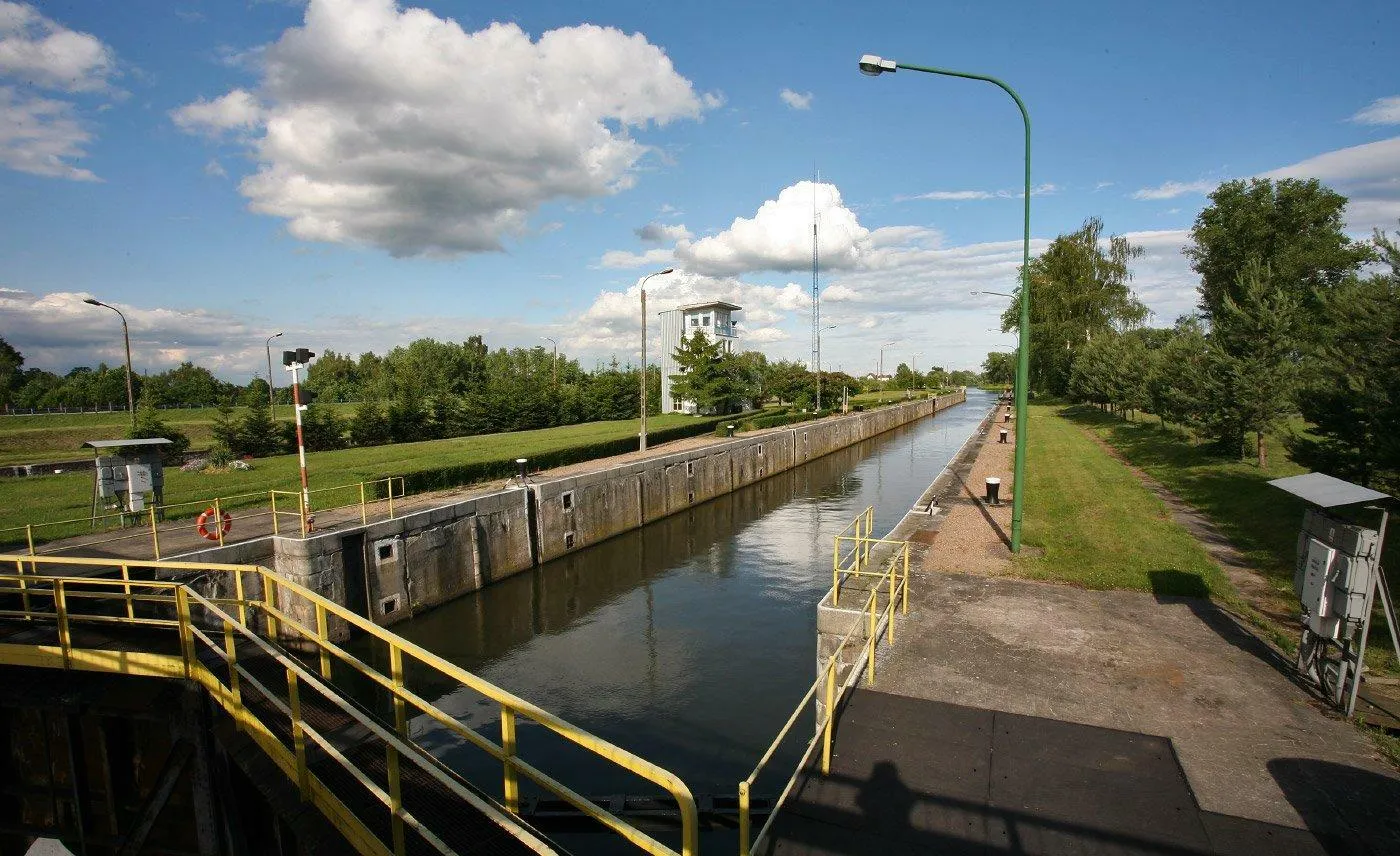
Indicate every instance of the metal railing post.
{"type": "Point", "coordinates": [29, 537]}
{"type": "Point", "coordinates": [870, 638]}
{"type": "Point", "coordinates": [364, 517]}
{"type": "Point", "coordinates": [182, 611]}
{"type": "Point", "coordinates": [906, 578]}
{"type": "Point", "coordinates": [126, 587]}
{"type": "Point", "coordinates": [273, 495]}
{"type": "Point", "coordinates": [298, 735]}
{"type": "Point", "coordinates": [391, 496]}
{"type": "Point", "coordinates": [60, 605]}
{"type": "Point", "coordinates": [301, 505]}
{"type": "Point", "coordinates": [744, 819]}
{"type": "Point", "coordinates": [889, 631]}
{"type": "Point", "coordinates": [270, 599]}
{"type": "Point", "coordinates": [219, 521]}
{"type": "Point", "coordinates": [155, 535]}
{"type": "Point", "coordinates": [242, 598]}
{"type": "Point", "coordinates": [831, 666]}
{"type": "Point", "coordinates": [24, 588]}
{"type": "Point", "coordinates": [396, 676]}
{"type": "Point", "coordinates": [322, 637]}
{"type": "Point", "coordinates": [511, 788]}
{"type": "Point", "coordinates": [235, 689]}
{"type": "Point", "coordinates": [391, 759]}
{"type": "Point", "coordinates": [400, 726]}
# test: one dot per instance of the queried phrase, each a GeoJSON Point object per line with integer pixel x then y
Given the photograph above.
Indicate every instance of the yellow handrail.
{"type": "Point", "coordinates": [896, 574]}
{"type": "Point", "coordinates": [285, 606]}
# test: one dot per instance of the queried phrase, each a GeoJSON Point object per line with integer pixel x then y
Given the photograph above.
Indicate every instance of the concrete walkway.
{"type": "Point", "coordinates": [1253, 743]}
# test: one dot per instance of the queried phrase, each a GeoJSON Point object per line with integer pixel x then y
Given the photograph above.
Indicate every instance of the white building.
{"type": "Point", "coordinates": [714, 319]}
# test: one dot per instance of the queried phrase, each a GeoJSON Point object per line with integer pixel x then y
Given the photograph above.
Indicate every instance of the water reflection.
{"type": "Point", "coordinates": [689, 641]}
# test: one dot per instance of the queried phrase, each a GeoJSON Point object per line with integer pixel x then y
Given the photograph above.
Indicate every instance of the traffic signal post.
{"type": "Point", "coordinates": [295, 361]}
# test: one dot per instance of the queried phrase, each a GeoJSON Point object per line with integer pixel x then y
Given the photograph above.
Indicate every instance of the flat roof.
{"type": "Point", "coordinates": [714, 304]}
{"type": "Point", "coordinates": [109, 444]}
{"type": "Point", "coordinates": [1327, 491]}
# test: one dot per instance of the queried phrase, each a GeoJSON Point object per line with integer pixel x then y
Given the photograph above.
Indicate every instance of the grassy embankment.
{"type": "Point", "coordinates": [60, 436]}
{"type": "Point", "coordinates": [42, 499]}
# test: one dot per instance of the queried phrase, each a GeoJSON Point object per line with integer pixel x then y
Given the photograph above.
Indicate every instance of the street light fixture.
{"type": "Point", "coordinates": [819, 362]}
{"type": "Point", "coordinates": [126, 339]}
{"type": "Point", "coordinates": [875, 66]}
{"type": "Point", "coordinates": [996, 293]}
{"type": "Point", "coordinates": [643, 434]}
{"type": "Point", "coordinates": [271, 405]}
{"type": "Point", "coordinates": [555, 360]}
{"type": "Point", "coordinates": [882, 367]}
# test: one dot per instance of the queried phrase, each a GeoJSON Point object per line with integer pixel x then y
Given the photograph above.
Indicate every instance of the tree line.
{"type": "Point", "coordinates": [1295, 320]}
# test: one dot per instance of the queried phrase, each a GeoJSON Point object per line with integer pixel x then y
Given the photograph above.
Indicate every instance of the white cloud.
{"type": "Point", "coordinates": [398, 129]}
{"type": "Point", "coordinates": [779, 236]}
{"type": "Point", "coordinates": [661, 232]}
{"type": "Point", "coordinates": [976, 195]}
{"type": "Point", "coordinates": [39, 134]}
{"type": "Point", "coordinates": [47, 54]}
{"type": "Point", "coordinates": [1382, 111]}
{"type": "Point", "coordinates": [624, 259]}
{"type": "Point", "coordinates": [215, 169]}
{"type": "Point", "coordinates": [1173, 189]}
{"type": "Point", "coordinates": [796, 100]}
{"type": "Point", "coordinates": [767, 335]}
{"type": "Point", "coordinates": [1368, 175]}
{"type": "Point", "coordinates": [838, 293]}
{"type": "Point", "coordinates": [237, 110]}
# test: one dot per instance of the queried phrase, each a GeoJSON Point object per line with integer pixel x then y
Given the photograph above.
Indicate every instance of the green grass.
{"type": "Point", "coordinates": [60, 436]}
{"type": "Point", "coordinates": [1095, 525]}
{"type": "Point", "coordinates": [43, 499]}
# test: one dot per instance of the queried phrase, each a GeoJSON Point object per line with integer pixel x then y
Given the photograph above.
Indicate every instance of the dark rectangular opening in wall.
{"type": "Point", "coordinates": [567, 497]}
{"type": "Point", "coordinates": [690, 468]}
{"type": "Point", "coordinates": [691, 496]}
{"type": "Point", "coordinates": [386, 552]}
{"type": "Point", "coordinates": [352, 557]}
{"type": "Point", "coordinates": [760, 448]}
{"type": "Point", "coordinates": [568, 540]}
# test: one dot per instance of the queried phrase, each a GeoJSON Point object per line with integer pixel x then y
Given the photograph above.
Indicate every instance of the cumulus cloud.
{"type": "Point", "coordinates": [624, 259]}
{"type": "Point", "coordinates": [1382, 111]}
{"type": "Point", "coordinates": [1368, 175]}
{"type": "Point", "coordinates": [1173, 189]}
{"type": "Point", "coordinates": [796, 100]}
{"type": "Point", "coordinates": [237, 110]}
{"type": "Point", "coordinates": [779, 236]}
{"type": "Point", "coordinates": [40, 134]}
{"type": "Point", "coordinates": [47, 54]}
{"type": "Point", "coordinates": [656, 233]}
{"type": "Point", "coordinates": [398, 129]}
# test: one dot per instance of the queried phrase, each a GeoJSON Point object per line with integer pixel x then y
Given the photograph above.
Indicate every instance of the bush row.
{"type": "Point", "coordinates": [457, 475]}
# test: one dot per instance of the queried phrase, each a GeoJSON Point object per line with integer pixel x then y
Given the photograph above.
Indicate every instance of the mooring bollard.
{"type": "Point", "coordinates": [993, 491]}
{"type": "Point", "coordinates": [521, 463]}
{"type": "Point", "coordinates": [1002, 436]}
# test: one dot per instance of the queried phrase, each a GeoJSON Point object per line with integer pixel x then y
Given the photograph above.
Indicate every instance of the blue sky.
{"type": "Point", "coordinates": [359, 173]}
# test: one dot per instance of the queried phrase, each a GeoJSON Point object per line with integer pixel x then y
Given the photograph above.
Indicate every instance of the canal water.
{"type": "Point", "coordinates": [690, 641]}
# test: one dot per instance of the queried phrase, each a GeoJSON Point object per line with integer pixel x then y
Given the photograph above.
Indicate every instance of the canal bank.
{"type": "Point", "coordinates": [390, 570]}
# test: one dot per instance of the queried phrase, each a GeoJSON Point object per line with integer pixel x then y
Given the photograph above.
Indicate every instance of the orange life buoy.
{"type": "Point", "coordinates": [214, 533]}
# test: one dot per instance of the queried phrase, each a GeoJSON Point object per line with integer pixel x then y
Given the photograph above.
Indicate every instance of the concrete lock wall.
{"type": "Point", "coordinates": [425, 558]}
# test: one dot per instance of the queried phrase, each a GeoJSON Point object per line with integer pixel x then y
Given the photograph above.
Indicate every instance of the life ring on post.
{"type": "Point", "coordinates": [214, 533]}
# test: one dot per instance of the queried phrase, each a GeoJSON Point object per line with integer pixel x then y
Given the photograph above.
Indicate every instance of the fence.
{"type": "Point", "coordinates": [218, 516]}
{"type": "Point", "coordinates": [297, 700]}
{"type": "Point", "coordinates": [893, 580]}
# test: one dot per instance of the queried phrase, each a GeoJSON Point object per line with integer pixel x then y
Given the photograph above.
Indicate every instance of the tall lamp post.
{"type": "Point", "coordinates": [875, 66]}
{"type": "Point", "coordinates": [643, 434]}
{"type": "Point", "coordinates": [554, 360]}
{"type": "Point", "coordinates": [126, 339]}
{"type": "Point", "coordinates": [819, 362]}
{"type": "Point", "coordinates": [883, 346]}
{"type": "Point", "coordinates": [271, 405]}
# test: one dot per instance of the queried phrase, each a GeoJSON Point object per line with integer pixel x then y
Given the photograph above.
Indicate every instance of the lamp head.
{"type": "Point", "coordinates": [275, 335]}
{"type": "Point", "coordinates": [666, 271]}
{"type": "Point", "coordinates": [875, 66]}
{"type": "Point", "coordinates": [89, 301]}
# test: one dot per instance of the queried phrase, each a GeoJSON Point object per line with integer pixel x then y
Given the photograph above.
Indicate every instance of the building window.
{"type": "Point", "coordinates": [694, 322]}
{"type": "Point", "coordinates": [705, 320]}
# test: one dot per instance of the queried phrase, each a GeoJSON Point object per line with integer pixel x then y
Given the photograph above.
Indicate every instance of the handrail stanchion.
{"type": "Point", "coordinates": [870, 637]}
{"type": "Point", "coordinates": [391, 497]}
{"type": "Point", "coordinates": [126, 587]}
{"type": "Point", "coordinates": [889, 635]}
{"type": "Point", "coordinates": [273, 494]}
{"type": "Point", "coordinates": [24, 587]}
{"type": "Point", "coordinates": [242, 598]}
{"type": "Point", "coordinates": [364, 516]}
{"type": "Point", "coordinates": [744, 819]}
{"type": "Point", "coordinates": [182, 612]}
{"type": "Point", "coordinates": [831, 665]}
{"type": "Point", "coordinates": [155, 535]}
{"type": "Point", "coordinates": [29, 536]}
{"type": "Point", "coordinates": [301, 506]}
{"type": "Point", "coordinates": [270, 598]}
{"type": "Point", "coordinates": [219, 521]}
{"type": "Point", "coordinates": [322, 637]}
{"type": "Point", "coordinates": [298, 735]}
{"type": "Point", "coordinates": [234, 688]}
{"type": "Point", "coordinates": [906, 578]}
{"type": "Point", "coordinates": [510, 788]}
{"type": "Point", "coordinates": [391, 759]}
{"type": "Point", "coordinates": [60, 605]}
{"type": "Point", "coordinates": [400, 726]}
{"type": "Point", "coordinates": [836, 575]}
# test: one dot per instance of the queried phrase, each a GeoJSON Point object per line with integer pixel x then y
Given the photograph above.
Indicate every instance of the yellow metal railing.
{"type": "Point", "coordinates": [354, 495]}
{"type": "Point", "coordinates": [893, 581]}
{"type": "Point", "coordinates": [262, 606]}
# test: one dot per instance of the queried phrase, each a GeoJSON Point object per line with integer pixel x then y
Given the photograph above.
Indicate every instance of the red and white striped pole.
{"type": "Point", "coordinates": [297, 407]}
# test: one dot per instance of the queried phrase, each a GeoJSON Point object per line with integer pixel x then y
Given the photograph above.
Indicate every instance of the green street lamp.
{"type": "Point", "coordinates": [126, 339]}
{"type": "Point", "coordinates": [875, 66]}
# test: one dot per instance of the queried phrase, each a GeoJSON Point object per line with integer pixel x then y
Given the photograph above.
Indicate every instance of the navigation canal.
{"type": "Point", "coordinates": [691, 640]}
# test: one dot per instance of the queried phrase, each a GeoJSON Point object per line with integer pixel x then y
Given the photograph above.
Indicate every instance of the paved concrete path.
{"type": "Point", "coordinates": [1253, 743]}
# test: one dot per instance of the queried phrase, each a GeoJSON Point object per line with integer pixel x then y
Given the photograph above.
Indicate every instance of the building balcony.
{"type": "Point", "coordinates": [729, 330]}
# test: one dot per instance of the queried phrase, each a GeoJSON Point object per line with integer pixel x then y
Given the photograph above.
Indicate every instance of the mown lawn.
{"type": "Point", "coordinates": [68, 496]}
{"type": "Point", "coordinates": [1092, 523]}
{"type": "Point", "coordinates": [60, 436]}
